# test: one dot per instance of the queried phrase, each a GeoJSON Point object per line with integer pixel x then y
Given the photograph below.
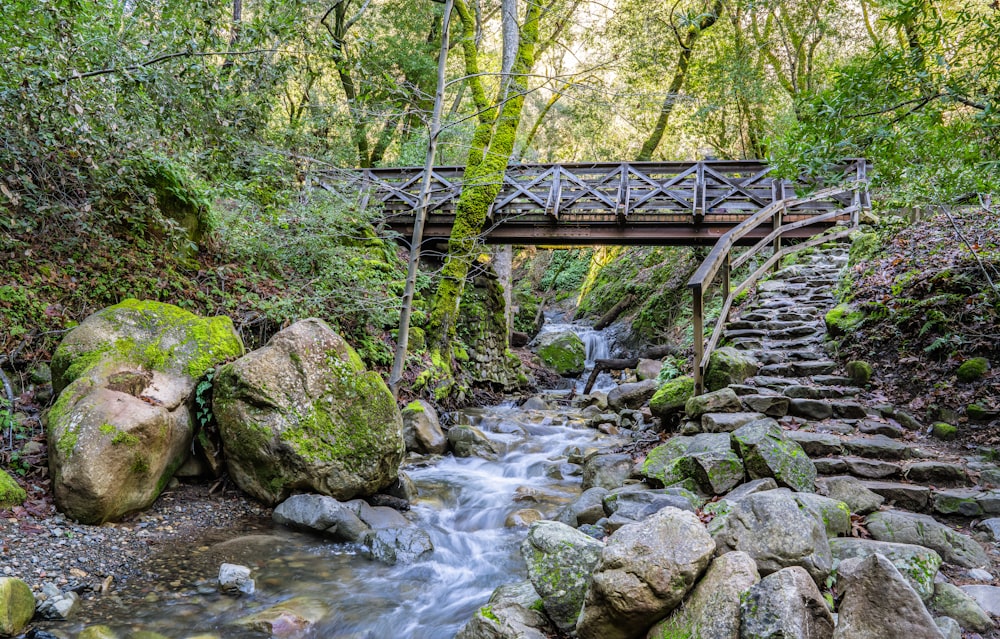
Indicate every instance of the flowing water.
{"type": "Point", "coordinates": [598, 346]}
{"type": "Point", "coordinates": [463, 504]}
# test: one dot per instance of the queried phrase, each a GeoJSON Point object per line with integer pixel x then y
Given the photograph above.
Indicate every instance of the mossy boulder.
{"type": "Point", "coordinates": [11, 493]}
{"type": "Point", "coordinates": [17, 606]}
{"type": "Point", "coordinates": [122, 424]}
{"type": "Point", "coordinates": [422, 429]}
{"type": "Point", "coordinates": [560, 560]}
{"type": "Point", "coordinates": [972, 369]}
{"type": "Point", "coordinates": [729, 366]}
{"type": "Point", "coordinates": [944, 431]}
{"type": "Point", "coordinates": [842, 319]}
{"type": "Point", "coordinates": [705, 459]}
{"type": "Point", "coordinates": [563, 352]}
{"type": "Point", "coordinates": [860, 372]}
{"type": "Point", "coordinates": [671, 397]}
{"type": "Point", "coordinates": [767, 453]}
{"type": "Point", "coordinates": [303, 413]}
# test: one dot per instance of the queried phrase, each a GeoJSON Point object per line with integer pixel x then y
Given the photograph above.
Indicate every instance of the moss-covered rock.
{"type": "Point", "coordinates": [860, 372]}
{"type": "Point", "coordinates": [563, 352]}
{"type": "Point", "coordinates": [972, 369]}
{"type": "Point", "coordinates": [671, 397]}
{"type": "Point", "coordinates": [11, 493]}
{"type": "Point", "coordinates": [944, 431]}
{"type": "Point", "coordinates": [729, 366]}
{"type": "Point", "coordinates": [17, 606]}
{"type": "Point", "coordinates": [767, 453]}
{"type": "Point", "coordinates": [122, 425]}
{"type": "Point", "coordinates": [303, 413]}
{"type": "Point", "coordinates": [842, 319]}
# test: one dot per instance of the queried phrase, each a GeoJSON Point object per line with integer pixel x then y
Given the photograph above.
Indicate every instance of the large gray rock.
{"type": "Point", "coordinates": [772, 528]}
{"type": "Point", "coordinates": [122, 425]}
{"type": "Point", "coordinates": [988, 597]}
{"type": "Point", "coordinates": [951, 601]}
{"type": "Point", "coordinates": [320, 514]}
{"type": "Point", "coordinates": [833, 514]}
{"type": "Point", "coordinates": [786, 605]}
{"type": "Point", "coordinates": [585, 509]}
{"type": "Point", "coordinates": [878, 603]}
{"type": "Point", "coordinates": [469, 441]}
{"type": "Point", "coordinates": [513, 612]}
{"type": "Point", "coordinates": [712, 611]}
{"type": "Point", "coordinates": [918, 565]}
{"type": "Point", "coordinates": [766, 452]}
{"type": "Point", "coordinates": [706, 458]}
{"type": "Point", "coordinates": [723, 400]}
{"type": "Point", "coordinates": [422, 431]}
{"type": "Point", "coordinates": [851, 491]}
{"type": "Point", "coordinates": [922, 530]}
{"type": "Point", "coordinates": [303, 413]}
{"type": "Point", "coordinates": [403, 545]}
{"type": "Point", "coordinates": [607, 471]}
{"type": "Point", "coordinates": [636, 505]}
{"type": "Point", "coordinates": [645, 571]}
{"type": "Point", "coordinates": [560, 560]}
{"type": "Point", "coordinates": [631, 395]}
{"type": "Point", "coordinates": [727, 366]}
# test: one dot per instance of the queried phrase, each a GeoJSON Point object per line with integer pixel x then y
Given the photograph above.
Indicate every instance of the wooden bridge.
{"type": "Point", "coordinates": [632, 203]}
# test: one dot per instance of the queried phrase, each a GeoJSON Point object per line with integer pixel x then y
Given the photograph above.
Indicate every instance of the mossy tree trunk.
{"type": "Point", "coordinates": [491, 148]}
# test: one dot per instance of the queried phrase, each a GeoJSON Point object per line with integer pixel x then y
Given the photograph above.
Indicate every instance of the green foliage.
{"type": "Point", "coordinates": [566, 270]}
{"type": "Point", "coordinates": [203, 400]}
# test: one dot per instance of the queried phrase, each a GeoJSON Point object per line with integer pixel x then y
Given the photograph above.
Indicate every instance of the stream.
{"type": "Point", "coordinates": [463, 503]}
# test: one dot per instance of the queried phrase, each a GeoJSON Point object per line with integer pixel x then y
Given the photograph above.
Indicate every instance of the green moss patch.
{"type": "Point", "coordinates": [11, 493]}
{"type": "Point", "coordinates": [972, 370]}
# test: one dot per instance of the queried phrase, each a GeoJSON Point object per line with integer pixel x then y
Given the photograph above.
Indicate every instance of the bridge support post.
{"type": "Point", "coordinates": [779, 217]}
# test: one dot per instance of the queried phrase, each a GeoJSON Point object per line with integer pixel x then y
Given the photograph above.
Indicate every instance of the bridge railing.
{"type": "Point", "coordinates": [720, 262]}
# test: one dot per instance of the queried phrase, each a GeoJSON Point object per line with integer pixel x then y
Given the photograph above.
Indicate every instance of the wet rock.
{"type": "Point", "coordinates": [918, 565]}
{"type": "Point", "coordinates": [767, 453]}
{"type": "Point", "coordinates": [292, 617]}
{"type": "Point", "coordinates": [522, 518]}
{"type": "Point", "coordinates": [513, 612]}
{"type": "Point", "coordinates": [908, 496]}
{"type": "Point", "coordinates": [644, 572]}
{"type": "Point", "coordinates": [772, 528]}
{"type": "Point", "coordinates": [585, 509]}
{"type": "Point", "coordinates": [320, 514]}
{"type": "Point", "coordinates": [560, 560]}
{"type": "Point", "coordinates": [951, 601]}
{"type": "Point", "coordinates": [422, 431]}
{"type": "Point", "coordinates": [97, 632]}
{"type": "Point", "coordinates": [713, 608]}
{"type": "Point", "coordinates": [378, 517]}
{"type": "Point", "coordinates": [303, 413]}
{"type": "Point", "coordinates": [399, 545]}
{"type": "Point", "coordinates": [56, 604]}
{"type": "Point", "coordinates": [17, 606]}
{"type": "Point", "coordinates": [786, 605]}
{"type": "Point", "coordinates": [607, 471]}
{"type": "Point", "coordinates": [532, 403]}
{"type": "Point", "coordinates": [720, 401]}
{"type": "Point", "coordinates": [235, 579]}
{"type": "Point", "coordinates": [631, 395]}
{"type": "Point", "coordinates": [469, 441]}
{"type": "Point", "coordinates": [851, 491]}
{"type": "Point", "coordinates": [910, 528]}
{"type": "Point", "coordinates": [878, 603]}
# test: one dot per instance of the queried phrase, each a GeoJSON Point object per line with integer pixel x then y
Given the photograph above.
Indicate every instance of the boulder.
{"type": "Point", "coordinates": [771, 527]}
{"type": "Point", "coordinates": [922, 530]}
{"type": "Point", "coordinates": [851, 491]}
{"type": "Point", "coordinates": [321, 514]}
{"type": "Point", "coordinates": [607, 471]}
{"type": "Point", "coordinates": [951, 601]}
{"type": "Point", "coordinates": [671, 397]}
{"type": "Point", "coordinates": [563, 352]}
{"type": "Point", "coordinates": [766, 452]}
{"type": "Point", "coordinates": [727, 422]}
{"type": "Point", "coordinates": [56, 604]}
{"type": "Point", "coordinates": [588, 508]}
{"type": "Point", "coordinates": [724, 400]}
{"type": "Point", "coordinates": [950, 629]}
{"type": "Point", "coordinates": [560, 560]}
{"type": "Point", "coordinates": [833, 514]}
{"type": "Point", "coordinates": [988, 597]}
{"type": "Point", "coordinates": [290, 618]}
{"type": "Point", "coordinates": [303, 413]}
{"type": "Point", "coordinates": [122, 425]}
{"type": "Point", "coordinates": [785, 605]}
{"type": "Point", "coordinates": [235, 579]}
{"type": "Point", "coordinates": [514, 611]}
{"type": "Point", "coordinates": [398, 545]}
{"type": "Point", "coordinates": [17, 606]}
{"type": "Point", "coordinates": [918, 565]}
{"type": "Point", "coordinates": [469, 441]}
{"type": "Point", "coordinates": [648, 369]}
{"type": "Point", "coordinates": [713, 608]}
{"type": "Point", "coordinates": [636, 505]}
{"type": "Point", "coordinates": [706, 458]}
{"type": "Point", "coordinates": [644, 572]}
{"type": "Point", "coordinates": [422, 430]}
{"type": "Point", "coordinates": [632, 395]}
{"type": "Point", "coordinates": [11, 493]}
{"type": "Point", "coordinates": [729, 366]}
{"type": "Point", "coordinates": [878, 603]}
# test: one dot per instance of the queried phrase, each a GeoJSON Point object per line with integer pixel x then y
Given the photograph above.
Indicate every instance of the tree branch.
{"type": "Point", "coordinates": [156, 60]}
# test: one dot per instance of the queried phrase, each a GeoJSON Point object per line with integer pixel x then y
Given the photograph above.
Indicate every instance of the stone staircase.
{"type": "Point", "coordinates": [872, 456]}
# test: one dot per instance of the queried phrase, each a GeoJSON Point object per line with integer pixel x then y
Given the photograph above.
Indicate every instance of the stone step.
{"type": "Point", "coordinates": [816, 444]}
{"type": "Point", "coordinates": [879, 426]}
{"type": "Point", "coordinates": [860, 467]}
{"type": "Point", "coordinates": [878, 447]}
{"type": "Point", "coordinates": [803, 391]}
{"type": "Point", "coordinates": [727, 422]}
{"type": "Point", "coordinates": [771, 356]}
{"type": "Point", "coordinates": [966, 502]}
{"type": "Point", "coordinates": [938, 473]}
{"type": "Point", "coordinates": [907, 496]}
{"type": "Point", "coordinates": [799, 369]}
{"type": "Point", "coordinates": [773, 382]}
{"type": "Point", "coordinates": [771, 405]}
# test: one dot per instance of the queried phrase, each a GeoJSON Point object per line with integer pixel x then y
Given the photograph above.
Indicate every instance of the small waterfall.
{"type": "Point", "coordinates": [598, 346]}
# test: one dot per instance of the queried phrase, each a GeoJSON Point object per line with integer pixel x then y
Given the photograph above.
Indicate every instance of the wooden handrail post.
{"type": "Point", "coordinates": [779, 219]}
{"type": "Point", "coordinates": [698, 324]}
{"type": "Point", "coordinates": [727, 267]}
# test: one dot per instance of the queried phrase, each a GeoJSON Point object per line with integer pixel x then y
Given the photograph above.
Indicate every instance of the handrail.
{"type": "Point", "coordinates": [720, 258]}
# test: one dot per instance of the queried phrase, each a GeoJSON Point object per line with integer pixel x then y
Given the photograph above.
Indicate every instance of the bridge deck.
{"type": "Point", "coordinates": [647, 203]}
